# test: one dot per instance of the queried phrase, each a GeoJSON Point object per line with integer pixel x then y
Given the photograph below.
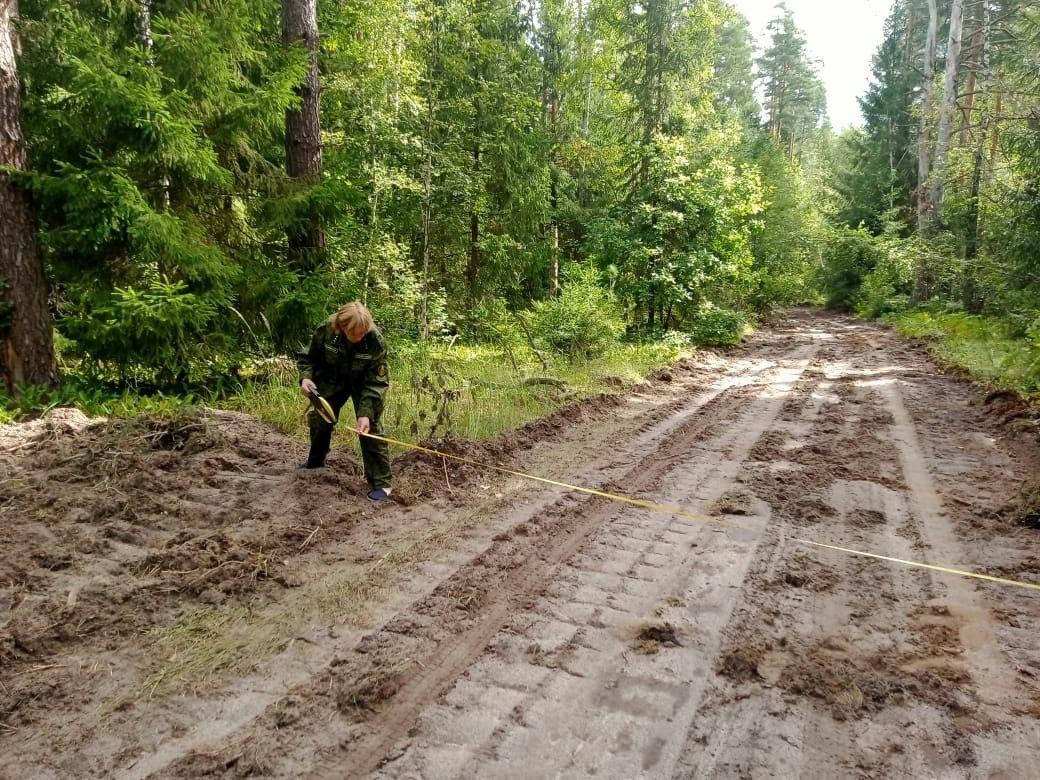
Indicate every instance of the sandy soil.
{"type": "Point", "coordinates": [178, 602]}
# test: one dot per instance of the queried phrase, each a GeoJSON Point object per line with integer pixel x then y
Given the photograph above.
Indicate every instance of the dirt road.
{"type": "Point", "coordinates": [508, 629]}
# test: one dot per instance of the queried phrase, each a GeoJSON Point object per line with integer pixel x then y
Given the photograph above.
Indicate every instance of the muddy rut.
{"type": "Point", "coordinates": [506, 629]}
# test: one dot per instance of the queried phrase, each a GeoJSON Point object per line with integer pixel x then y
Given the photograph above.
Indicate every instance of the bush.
{"type": "Point", "coordinates": [848, 257]}
{"type": "Point", "coordinates": [583, 321]}
{"type": "Point", "coordinates": [161, 328]}
{"type": "Point", "coordinates": [717, 327]}
{"type": "Point", "coordinates": [888, 287]}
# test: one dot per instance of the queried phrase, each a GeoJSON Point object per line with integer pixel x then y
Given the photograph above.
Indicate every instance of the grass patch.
{"type": "Point", "coordinates": [208, 640]}
{"type": "Point", "coordinates": [471, 391]}
{"type": "Point", "coordinates": [985, 347]}
{"type": "Point", "coordinates": [438, 389]}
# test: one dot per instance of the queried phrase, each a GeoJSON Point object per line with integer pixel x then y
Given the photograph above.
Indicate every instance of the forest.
{"type": "Point", "coordinates": [699, 423]}
{"type": "Point", "coordinates": [576, 188]}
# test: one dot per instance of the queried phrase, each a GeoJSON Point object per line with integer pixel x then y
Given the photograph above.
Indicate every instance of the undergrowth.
{"type": "Point", "coordinates": [470, 391]}
{"type": "Point", "coordinates": [989, 348]}
{"type": "Point", "coordinates": [438, 389]}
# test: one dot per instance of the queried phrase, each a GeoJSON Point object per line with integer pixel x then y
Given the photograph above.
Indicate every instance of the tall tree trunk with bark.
{"type": "Point", "coordinates": [26, 337]}
{"type": "Point", "coordinates": [426, 208]}
{"type": "Point", "coordinates": [473, 259]}
{"type": "Point", "coordinates": [980, 81]}
{"type": "Point", "coordinates": [924, 141]}
{"type": "Point", "coordinates": [949, 109]}
{"type": "Point", "coordinates": [303, 128]}
{"type": "Point", "coordinates": [971, 299]}
{"type": "Point", "coordinates": [973, 63]}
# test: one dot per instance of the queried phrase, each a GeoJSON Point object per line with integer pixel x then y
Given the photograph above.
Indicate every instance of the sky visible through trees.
{"type": "Point", "coordinates": [842, 36]}
{"type": "Point", "coordinates": [192, 185]}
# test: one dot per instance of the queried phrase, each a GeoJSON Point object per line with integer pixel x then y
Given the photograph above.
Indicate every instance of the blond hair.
{"type": "Point", "coordinates": [353, 317]}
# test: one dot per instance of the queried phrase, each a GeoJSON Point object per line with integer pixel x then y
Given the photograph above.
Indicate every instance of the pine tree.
{"type": "Point", "coordinates": [881, 185]}
{"type": "Point", "coordinates": [795, 97]}
{"type": "Point", "coordinates": [734, 71]}
{"type": "Point", "coordinates": [303, 129]}
{"type": "Point", "coordinates": [26, 341]}
{"type": "Point", "coordinates": [157, 174]}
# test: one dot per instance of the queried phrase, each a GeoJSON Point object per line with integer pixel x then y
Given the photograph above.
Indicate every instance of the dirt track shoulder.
{"type": "Point", "coordinates": [511, 629]}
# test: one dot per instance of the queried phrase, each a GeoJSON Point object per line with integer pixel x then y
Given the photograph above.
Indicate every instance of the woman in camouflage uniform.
{"type": "Point", "coordinates": [347, 360]}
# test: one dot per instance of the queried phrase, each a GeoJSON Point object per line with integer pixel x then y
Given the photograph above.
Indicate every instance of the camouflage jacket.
{"type": "Point", "coordinates": [336, 365]}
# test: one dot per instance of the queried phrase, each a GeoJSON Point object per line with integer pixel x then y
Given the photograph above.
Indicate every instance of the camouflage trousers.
{"type": "Point", "coordinates": [375, 455]}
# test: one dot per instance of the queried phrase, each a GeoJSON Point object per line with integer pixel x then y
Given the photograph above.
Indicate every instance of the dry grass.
{"type": "Point", "coordinates": [209, 640]}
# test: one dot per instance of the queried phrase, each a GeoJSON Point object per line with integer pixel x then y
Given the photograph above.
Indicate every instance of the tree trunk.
{"type": "Point", "coordinates": [473, 256]}
{"type": "Point", "coordinates": [949, 108]}
{"type": "Point", "coordinates": [427, 198]}
{"type": "Point", "coordinates": [994, 144]}
{"type": "Point", "coordinates": [303, 129]}
{"type": "Point", "coordinates": [373, 227]}
{"type": "Point", "coordinates": [924, 142]}
{"type": "Point", "coordinates": [554, 231]}
{"type": "Point", "coordinates": [971, 299]}
{"type": "Point", "coordinates": [974, 62]}
{"type": "Point", "coordinates": [473, 262]}
{"type": "Point", "coordinates": [144, 28]}
{"type": "Point", "coordinates": [427, 213]}
{"type": "Point", "coordinates": [26, 337]}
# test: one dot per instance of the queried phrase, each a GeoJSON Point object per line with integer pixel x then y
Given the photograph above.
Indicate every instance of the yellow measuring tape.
{"type": "Point", "coordinates": [680, 512]}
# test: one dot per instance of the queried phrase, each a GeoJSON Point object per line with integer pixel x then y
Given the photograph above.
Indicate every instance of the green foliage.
{"type": "Point", "coordinates": [472, 391]}
{"type": "Point", "coordinates": [848, 257]}
{"type": "Point", "coordinates": [889, 286]}
{"type": "Point", "coordinates": [795, 98]}
{"type": "Point", "coordinates": [154, 169]}
{"type": "Point", "coordinates": [583, 321]}
{"type": "Point", "coordinates": [716, 327]}
{"type": "Point", "coordinates": [97, 399]}
{"type": "Point", "coordinates": [983, 346]}
{"type": "Point", "coordinates": [162, 326]}
{"type": "Point", "coordinates": [475, 153]}
{"type": "Point", "coordinates": [979, 252]}
{"type": "Point", "coordinates": [786, 243]}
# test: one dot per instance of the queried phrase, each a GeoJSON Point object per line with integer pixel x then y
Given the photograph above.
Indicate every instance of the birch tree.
{"type": "Point", "coordinates": [944, 135]}
{"type": "Point", "coordinates": [924, 141]}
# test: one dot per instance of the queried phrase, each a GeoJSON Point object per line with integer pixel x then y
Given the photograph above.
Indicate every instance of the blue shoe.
{"type": "Point", "coordinates": [379, 495]}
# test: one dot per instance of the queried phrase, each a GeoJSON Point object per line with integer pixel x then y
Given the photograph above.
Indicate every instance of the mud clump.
{"type": "Point", "coordinates": [741, 664]}
{"type": "Point", "coordinates": [363, 689]}
{"type": "Point", "coordinates": [807, 573]}
{"type": "Point", "coordinates": [849, 692]}
{"type": "Point", "coordinates": [1024, 508]}
{"type": "Point", "coordinates": [866, 518]}
{"type": "Point", "coordinates": [1006, 406]}
{"type": "Point", "coordinates": [652, 638]}
{"type": "Point", "coordinates": [739, 503]}
{"type": "Point", "coordinates": [252, 760]}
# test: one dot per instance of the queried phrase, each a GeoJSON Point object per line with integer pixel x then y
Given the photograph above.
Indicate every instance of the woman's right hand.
{"type": "Point", "coordinates": [307, 387]}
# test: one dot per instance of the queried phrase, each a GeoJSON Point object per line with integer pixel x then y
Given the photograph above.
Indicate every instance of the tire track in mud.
{"type": "Point", "coordinates": [519, 648]}
{"type": "Point", "coordinates": [371, 697]}
{"type": "Point", "coordinates": [848, 663]}
{"type": "Point", "coordinates": [563, 671]}
{"type": "Point", "coordinates": [197, 756]}
{"type": "Point", "coordinates": [123, 738]}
